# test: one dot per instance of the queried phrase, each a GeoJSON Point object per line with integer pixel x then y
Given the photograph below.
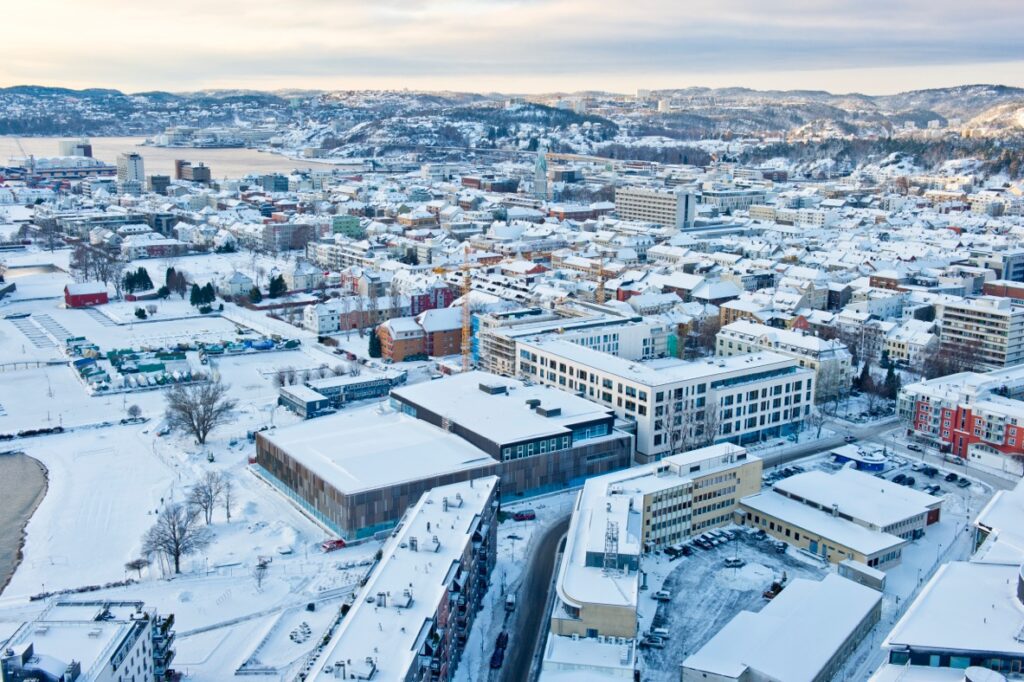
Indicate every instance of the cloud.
{"type": "Point", "coordinates": [444, 43]}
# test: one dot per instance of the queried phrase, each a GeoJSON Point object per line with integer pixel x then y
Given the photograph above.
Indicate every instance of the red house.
{"type": "Point", "coordinates": [85, 294]}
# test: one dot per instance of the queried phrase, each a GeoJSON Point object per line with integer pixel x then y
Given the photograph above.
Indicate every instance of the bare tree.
{"type": "Point", "coordinates": [134, 411]}
{"type": "Point", "coordinates": [259, 572]}
{"type": "Point", "coordinates": [137, 565]}
{"type": "Point", "coordinates": [227, 496]}
{"type": "Point", "coordinates": [707, 332]}
{"type": "Point", "coordinates": [207, 494]}
{"type": "Point", "coordinates": [175, 534]}
{"type": "Point", "coordinates": [199, 408]}
{"type": "Point", "coordinates": [396, 300]}
{"type": "Point", "coordinates": [709, 422]}
{"type": "Point", "coordinates": [816, 419]}
{"type": "Point", "coordinates": [346, 315]}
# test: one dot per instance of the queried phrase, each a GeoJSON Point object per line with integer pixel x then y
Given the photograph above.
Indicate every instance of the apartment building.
{"type": "Point", "coordinates": [675, 208]}
{"type": "Point", "coordinates": [620, 516]}
{"type": "Point", "coordinates": [90, 641]}
{"type": "Point", "coordinates": [975, 416]}
{"type": "Point", "coordinates": [732, 199]}
{"type": "Point", "coordinates": [992, 328]}
{"type": "Point", "coordinates": [338, 255]}
{"type": "Point", "coordinates": [676, 405]}
{"type": "Point", "coordinates": [412, 616]}
{"type": "Point", "coordinates": [831, 361]}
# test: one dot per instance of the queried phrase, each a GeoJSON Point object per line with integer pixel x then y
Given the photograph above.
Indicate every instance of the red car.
{"type": "Point", "coordinates": [524, 515]}
{"type": "Point", "coordinates": [331, 545]}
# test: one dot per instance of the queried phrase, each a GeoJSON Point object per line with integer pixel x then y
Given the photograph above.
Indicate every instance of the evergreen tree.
{"type": "Point", "coordinates": [195, 296]}
{"type": "Point", "coordinates": [142, 280]}
{"type": "Point", "coordinates": [865, 383]}
{"type": "Point", "coordinates": [277, 287]}
{"type": "Point", "coordinates": [209, 295]}
{"type": "Point", "coordinates": [170, 278]}
{"type": "Point", "coordinates": [254, 295]}
{"type": "Point", "coordinates": [163, 292]}
{"type": "Point", "coordinates": [892, 384]}
{"type": "Point", "coordinates": [375, 348]}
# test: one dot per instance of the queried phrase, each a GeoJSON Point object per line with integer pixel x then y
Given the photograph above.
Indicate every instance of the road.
{"type": "Point", "coordinates": [531, 614]}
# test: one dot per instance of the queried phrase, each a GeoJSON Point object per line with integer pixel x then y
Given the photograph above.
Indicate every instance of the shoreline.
{"type": "Point", "coordinates": [19, 556]}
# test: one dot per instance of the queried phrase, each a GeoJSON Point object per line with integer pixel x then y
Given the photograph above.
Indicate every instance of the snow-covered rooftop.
{"type": "Point", "coordinates": [821, 523]}
{"type": "Point", "coordinates": [414, 573]}
{"type": "Point", "coordinates": [503, 414]}
{"type": "Point", "coordinates": [794, 637]}
{"type": "Point", "coordinates": [349, 451]}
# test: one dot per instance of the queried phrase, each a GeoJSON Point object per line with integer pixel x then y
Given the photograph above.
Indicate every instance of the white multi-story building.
{"type": "Point", "coordinates": [830, 360]}
{"type": "Point", "coordinates": [991, 327]}
{"type": "Point", "coordinates": [130, 167]}
{"type": "Point", "coordinates": [675, 208]}
{"type": "Point", "coordinates": [678, 405]}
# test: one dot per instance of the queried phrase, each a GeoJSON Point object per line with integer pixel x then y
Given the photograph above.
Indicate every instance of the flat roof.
{"type": "Point", "coordinates": [847, 533]}
{"type": "Point", "coordinates": [414, 580]}
{"type": "Point", "coordinates": [501, 417]}
{"type": "Point", "coordinates": [373, 447]}
{"type": "Point", "coordinates": [587, 656]}
{"type": "Point", "coordinates": [864, 497]}
{"type": "Point", "coordinates": [665, 370]}
{"type": "Point", "coordinates": [348, 379]}
{"type": "Point", "coordinates": [966, 606]}
{"type": "Point", "coordinates": [1001, 518]}
{"type": "Point", "coordinates": [59, 642]}
{"type": "Point", "coordinates": [794, 636]}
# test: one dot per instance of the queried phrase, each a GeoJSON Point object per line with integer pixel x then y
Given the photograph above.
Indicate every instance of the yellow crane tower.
{"type": "Point", "coordinates": [467, 328]}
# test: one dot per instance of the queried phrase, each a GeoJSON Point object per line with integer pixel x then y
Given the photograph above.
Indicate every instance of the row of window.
{"type": "Point", "coordinates": [538, 447]}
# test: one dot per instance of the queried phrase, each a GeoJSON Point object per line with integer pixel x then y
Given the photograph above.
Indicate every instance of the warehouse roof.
{"type": "Point", "coordinates": [348, 452]}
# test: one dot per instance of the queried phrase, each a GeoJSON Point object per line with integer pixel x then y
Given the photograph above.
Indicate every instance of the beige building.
{"type": "Point", "coordinates": [675, 208]}
{"type": "Point", "coordinates": [620, 516]}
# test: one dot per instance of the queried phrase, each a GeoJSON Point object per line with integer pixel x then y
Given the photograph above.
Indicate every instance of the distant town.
{"type": "Point", "coordinates": [679, 385]}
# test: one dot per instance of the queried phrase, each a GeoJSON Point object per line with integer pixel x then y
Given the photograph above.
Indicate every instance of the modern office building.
{"type": "Point", "coordinates": [803, 635]}
{"type": "Point", "coordinates": [412, 616]}
{"type": "Point", "coordinates": [677, 405]}
{"type": "Point", "coordinates": [619, 516]}
{"type": "Point", "coordinates": [674, 208]}
{"type": "Point", "coordinates": [544, 439]}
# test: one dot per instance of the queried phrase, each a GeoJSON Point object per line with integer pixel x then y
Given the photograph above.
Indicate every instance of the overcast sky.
{"type": "Point", "coordinates": [870, 46]}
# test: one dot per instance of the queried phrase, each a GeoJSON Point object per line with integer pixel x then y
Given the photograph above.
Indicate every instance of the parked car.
{"type": "Point", "coordinates": [914, 447]}
{"type": "Point", "coordinates": [899, 478]}
{"type": "Point", "coordinates": [686, 550]}
{"type": "Point", "coordinates": [734, 562]}
{"type": "Point", "coordinates": [850, 439]}
{"type": "Point", "coordinates": [932, 489]}
{"type": "Point", "coordinates": [909, 481]}
{"type": "Point", "coordinates": [331, 545]}
{"type": "Point", "coordinates": [963, 483]}
{"type": "Point", "coordinates": [654, 642]}
{"type": "Point", "coordinates": [951, 477]}
{"type": "Point", "coordinates": [502, 641]}
{"type": "Point", "coordinates": [659, 632]}
{"type": "Point", "coordinates": [930, 472]}
{"type": "Point", "coordinates": [524, 515]}
{"type": "Point", "coordinates": [497, 658]}
{"type": "Point", "coordinates": [662, 595]}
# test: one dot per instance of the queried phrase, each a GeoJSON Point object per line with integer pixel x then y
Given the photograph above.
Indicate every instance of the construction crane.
{"type": "Point", "coordinates": [467, 328]}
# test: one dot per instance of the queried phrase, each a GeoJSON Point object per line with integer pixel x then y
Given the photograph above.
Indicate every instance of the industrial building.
{"type": "Point", "coordinates": [412, 617]}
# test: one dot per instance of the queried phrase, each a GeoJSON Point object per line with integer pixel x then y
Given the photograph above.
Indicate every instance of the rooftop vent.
{"type": "Point", "coordinates": [493, 389]}
{"type": "Point", "coordinates": [533, 403]}
{"type": "Point", "coordinates": [549, 411]}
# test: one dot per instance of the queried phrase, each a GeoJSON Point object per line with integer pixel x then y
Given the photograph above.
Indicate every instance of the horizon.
{"type": "Point", "coordinates": [281, 91]}
{"type": "Point", "coordinates": [516, 46]}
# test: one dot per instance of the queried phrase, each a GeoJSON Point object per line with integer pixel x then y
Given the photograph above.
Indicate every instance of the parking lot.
{"type": "Point", "coordinates": [704, 594]}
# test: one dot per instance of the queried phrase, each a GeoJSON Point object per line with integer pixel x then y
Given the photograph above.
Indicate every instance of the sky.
{"type": "Point", "coordinates": [514, 46]}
